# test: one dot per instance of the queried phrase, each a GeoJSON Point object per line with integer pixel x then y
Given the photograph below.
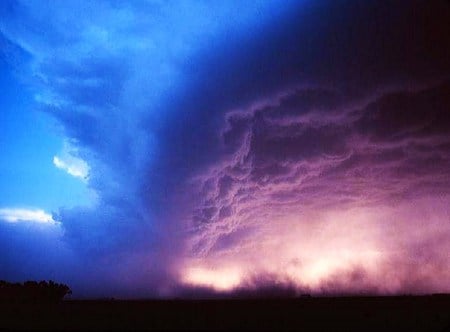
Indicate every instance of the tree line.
{"type": "Point", "coordinates": [33, 291]}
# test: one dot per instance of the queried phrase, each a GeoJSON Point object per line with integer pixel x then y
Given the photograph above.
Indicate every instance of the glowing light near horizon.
{"type": "Point", "coordinates": [223, 279]}
{"type": "Point", "coordinates": [301, 252]}
{"type": "Point", "coordinates": [322, 267]}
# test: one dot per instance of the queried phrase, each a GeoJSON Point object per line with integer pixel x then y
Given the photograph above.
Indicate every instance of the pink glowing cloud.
{"type": "Point", "coordinates": [328, 195]}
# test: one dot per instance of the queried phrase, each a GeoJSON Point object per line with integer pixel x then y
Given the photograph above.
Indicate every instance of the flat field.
{"type": "Point", "coordinates": [400, 313]}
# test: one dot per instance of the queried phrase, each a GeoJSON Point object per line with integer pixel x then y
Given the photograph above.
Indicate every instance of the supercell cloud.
{"type": "Point", "coordinates": [234, 147]}
{"type": "Point", "coordinates": [311, 186]}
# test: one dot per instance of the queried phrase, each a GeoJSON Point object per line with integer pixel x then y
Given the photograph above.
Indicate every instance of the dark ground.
{"type": "Point", "coordinates": [405, 313]}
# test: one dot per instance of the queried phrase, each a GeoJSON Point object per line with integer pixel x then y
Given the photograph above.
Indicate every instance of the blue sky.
{"type": "Point", "coordinates": [31, 137]}
{"type": "Point", "coordinates": [30, 140]}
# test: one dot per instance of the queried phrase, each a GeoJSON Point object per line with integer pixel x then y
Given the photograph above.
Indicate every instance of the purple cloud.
{"type": "Point", "coordinates": [298, 155]}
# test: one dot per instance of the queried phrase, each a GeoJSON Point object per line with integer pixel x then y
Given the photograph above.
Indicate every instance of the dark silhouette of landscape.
{"type": "Point", "coordinates": [33, 291]}
{"type": "Point", "coordinates": [44, 305]}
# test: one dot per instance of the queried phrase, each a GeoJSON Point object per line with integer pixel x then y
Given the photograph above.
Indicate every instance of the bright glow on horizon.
{"type": "Point", "coordinates": [222, 279]}
{"type": "Point", "coordinates": [299, 252]}
{"type": "Point", "coordinates": [324, 267]}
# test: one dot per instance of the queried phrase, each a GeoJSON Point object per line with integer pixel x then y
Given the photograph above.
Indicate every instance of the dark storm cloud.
{"type": "Point", "coordinates": [393, 147]}
{"type": "Point", "coordinates": [398, 116]}
{"type": "Point", "coordinates": [23, 245]}
{"type": "Point", "coordinates": [349, 49]}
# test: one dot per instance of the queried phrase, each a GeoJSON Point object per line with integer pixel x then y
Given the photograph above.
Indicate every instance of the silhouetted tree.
{"type": "Point", "coordinates": [32, 291]}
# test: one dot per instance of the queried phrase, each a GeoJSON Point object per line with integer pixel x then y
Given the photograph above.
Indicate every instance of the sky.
{"type": "Point", "coordinates": [226, 148]}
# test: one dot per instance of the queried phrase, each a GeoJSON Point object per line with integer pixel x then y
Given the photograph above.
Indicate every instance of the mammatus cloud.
{"type": "Point", "coordinates": [27, 215]}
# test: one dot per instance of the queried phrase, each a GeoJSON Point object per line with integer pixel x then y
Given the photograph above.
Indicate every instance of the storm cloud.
{"type": "Point", "coordinates": [247, 147]}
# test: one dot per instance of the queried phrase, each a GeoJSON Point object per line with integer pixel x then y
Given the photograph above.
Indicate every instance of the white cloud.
{"type": "Point", "coordinates": [70, 163]}
{"type": "Point", "coordinates": [29, 215]}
